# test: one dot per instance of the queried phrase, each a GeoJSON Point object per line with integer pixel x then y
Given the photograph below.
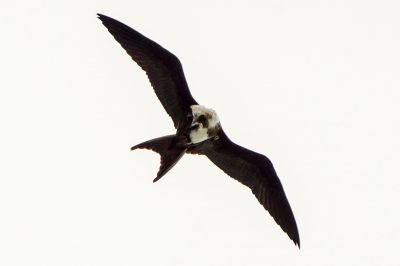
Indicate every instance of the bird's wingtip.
{"type": "Point", "coordinates": [296, 241]}
{"type": "Point", "coordinates": [101, 16]}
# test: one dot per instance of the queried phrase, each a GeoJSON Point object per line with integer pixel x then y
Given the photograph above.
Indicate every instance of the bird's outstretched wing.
{"type": "Point", "coordinates": [257, 172]}
{"type": "Point", "coordinates": [163, 69]}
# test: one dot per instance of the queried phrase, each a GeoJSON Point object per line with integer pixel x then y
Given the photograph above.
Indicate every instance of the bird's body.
{"type": "Point", "coordinates": [198, 129]}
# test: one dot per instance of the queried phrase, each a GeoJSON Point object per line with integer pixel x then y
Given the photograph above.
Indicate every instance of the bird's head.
{"type": "Point", "coordinates": [208, 118]}
{"type": "Point", "coordinates": [205, 124]}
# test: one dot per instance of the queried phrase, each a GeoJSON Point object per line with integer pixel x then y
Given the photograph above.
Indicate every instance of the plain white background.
{"type": "Point", "coordinates": [314, 85]}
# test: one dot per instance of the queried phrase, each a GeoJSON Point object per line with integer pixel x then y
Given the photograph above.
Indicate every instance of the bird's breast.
{"type": "Point", "coordinates": [198, 135]}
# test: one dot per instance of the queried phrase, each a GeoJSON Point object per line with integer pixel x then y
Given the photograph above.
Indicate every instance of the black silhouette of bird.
{"type": "Point", "coordinates": [198, 129]}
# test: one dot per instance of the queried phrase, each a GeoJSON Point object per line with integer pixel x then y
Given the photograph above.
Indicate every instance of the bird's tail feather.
{"type": "Point", "coordinates": [170, 152]}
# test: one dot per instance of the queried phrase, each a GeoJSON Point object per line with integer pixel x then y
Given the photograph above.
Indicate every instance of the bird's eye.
{"type": "Point", "coordinates": [202, 119]}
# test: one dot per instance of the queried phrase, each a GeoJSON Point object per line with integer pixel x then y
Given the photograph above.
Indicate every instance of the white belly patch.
{"type": "Point", "coordinates": [198, 135]}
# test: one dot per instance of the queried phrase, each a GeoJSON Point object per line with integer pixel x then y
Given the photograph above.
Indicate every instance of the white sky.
{"type": "Point", "coordinates": [314, 86]}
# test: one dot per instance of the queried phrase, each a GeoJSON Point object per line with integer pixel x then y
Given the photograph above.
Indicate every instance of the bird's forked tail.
{"type": "Point", "coordinates": [168, 149]}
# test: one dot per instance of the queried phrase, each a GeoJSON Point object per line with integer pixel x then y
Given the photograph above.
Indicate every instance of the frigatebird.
{"type": "Point", "coordinates": [198, 129]}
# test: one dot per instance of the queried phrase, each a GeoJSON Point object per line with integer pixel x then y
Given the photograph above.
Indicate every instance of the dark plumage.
{"type": "Point", "coordinates": [163, 69]}
{"type": "Point", "coordinates": [198, 128]}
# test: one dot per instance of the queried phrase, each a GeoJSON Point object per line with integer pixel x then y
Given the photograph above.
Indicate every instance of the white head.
{"type": "Point", "coordinates": [210, 115]}
{"type": "Point", "coordinates": [206, 124]}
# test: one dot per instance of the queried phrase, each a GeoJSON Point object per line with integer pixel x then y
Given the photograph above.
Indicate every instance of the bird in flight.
{"type": "Point", "coordinates": [198, 129]}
